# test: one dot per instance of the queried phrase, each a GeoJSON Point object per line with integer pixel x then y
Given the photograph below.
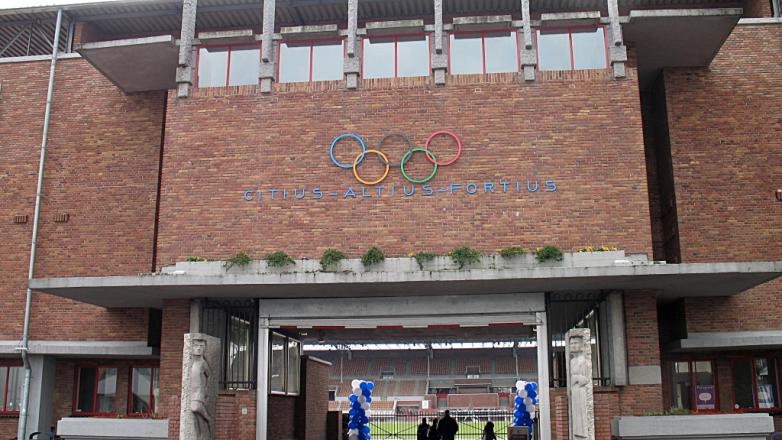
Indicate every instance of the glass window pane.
{"type": "Point", "coordinates": [15, 383]}
{"type": "Point", "coordinates": [155, 388]}
{"type": "Point", "coordinates": [212, 66]}
{"type": "Point", "coordinates": [466, 53]}
{"type": "Point", "coordinates": [3, 377]}
{"type": "Point", "coordinates": [743, 384]}
{"type": "Point", "coordinates": [239, 353]}
{"type": "Point", "coordinates": [766, 372]}
{"type": "Point", "coordinates": [86, 393]}
{"type": "Point", "coordinates": [501, 52]}
{"type": "Point", "coordinates": [554, 50]}
{"type": "Point", "coordinates": [680, 380]}
{"type": "Point", "coordinates": [140, 387]}
{"type": "Point", "coordinates": [294, 62]}
{"type": "Point", "coordinates": [378, 57]}
{"type": "Point", "coordinates": [293, 366]}
{"type": "Point", "coordinates": [107, 389]}
{"type": "Point", "coordinates": [327, 60]}
{"type": "Point", "coordinates": [277, 368]}
{"type": "Point", "coordinates": [589, 48]}
{"type": "Point", "coordinates": [245, 65]}
{"type": "Point", "coordinates": [413, 56]}
{"type": "Point", "coordinates": [705, 390]}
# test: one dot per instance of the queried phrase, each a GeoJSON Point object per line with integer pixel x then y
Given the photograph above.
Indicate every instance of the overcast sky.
{"type": "Point", "coordinates": [8, 4]}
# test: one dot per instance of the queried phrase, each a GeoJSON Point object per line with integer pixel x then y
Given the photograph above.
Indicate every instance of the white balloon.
{"type": "Point", "coordinates": [527, 401]}
{"type": "Point", "coordinates": [355, 384]}
{"type": "Point", "coordinates": [365, 405]}
{"type": "Point", "coordinates": [353, 436]}
{"type": "Point", "coordinates": [367, 411]}
{"type": "Point", "coordinates": [520, 384]}
{"type": "Point", "coordinates": [530, 409]}
{"type": "Point", "coordinates": [357, 392]}
{"type": "Point", "coordinates": [352, 431]}
{"type": "Point", "coordinates": [362, 399]}
{"type": "Point", "coordinates": [522, 393]}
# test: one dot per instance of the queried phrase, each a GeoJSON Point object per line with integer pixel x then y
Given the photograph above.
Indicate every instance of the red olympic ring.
{"type": "Point", "coordinates": [458, 147]}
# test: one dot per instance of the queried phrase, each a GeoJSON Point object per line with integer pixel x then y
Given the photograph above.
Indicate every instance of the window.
{"type": "Point", "coordinates": [395, 56]}
{"type": "Point", "coordinates": [284, 365]}
{"type": "Point", "coordinates": [96, 388]}
{"type": "Point", "coordinates": [11, 389]}
{"type": "Point", "coordinates": [472, 372]}
{"type": "Point", "coordinates": [233, 65]}
{"type": "Point", "coordinates": [572, 48]}
{"type": "Point", "coordinates": [235, 323]}
{"type": "Point", "coordinates": [387, 373]}
{"type": "Point", "coordinates": [483, 52]}
{"type": "Point", "coordinates": [144, 390]}
{"type": "Point", "coordinates": [701, 396]}
{"type": "Point", "coordinates": [755, 383]}
{"type": "Point", "coordinates": [311, 60]}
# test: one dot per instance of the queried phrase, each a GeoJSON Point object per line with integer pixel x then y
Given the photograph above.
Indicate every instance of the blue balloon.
{"type": "Point", "coordinates": [366, 392]}
{"type": "Point", "coordinates": [352, 398]}
{"type": "Point", "coordinates": [369, 399]}
{"type": "Point", "coordinates": [519, 400]}
{"type": "Point", "coordinates": [365, 429]}
{"type": "Point", "coordinates": [532, 394]}
{"type": "Point", "coordinates": [352, 425]}
{"type": "Point", "coordinates": [370, 386]}
{"type": "Point", "coordinates": [363, 386]}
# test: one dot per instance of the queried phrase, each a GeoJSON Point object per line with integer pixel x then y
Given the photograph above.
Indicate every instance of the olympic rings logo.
{"type": "Point", "coordinates": [430, 156]}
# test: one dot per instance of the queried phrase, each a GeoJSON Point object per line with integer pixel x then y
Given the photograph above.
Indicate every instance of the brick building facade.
{"type": "Point", "coordinates": [152, 161]}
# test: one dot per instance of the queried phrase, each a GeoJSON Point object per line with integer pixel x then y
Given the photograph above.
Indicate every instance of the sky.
{"type": "Point", "coordinates": [9, 4]}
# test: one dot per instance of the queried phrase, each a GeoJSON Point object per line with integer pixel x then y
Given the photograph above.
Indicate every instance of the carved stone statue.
{"type": "Point", "coordinates": [200, 372]}
{"type": "Point", "coordinates": [580, 397]}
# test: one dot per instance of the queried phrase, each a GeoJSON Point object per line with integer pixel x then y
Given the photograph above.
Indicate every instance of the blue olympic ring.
{"type": "Point", "coordinates": [343, 136]}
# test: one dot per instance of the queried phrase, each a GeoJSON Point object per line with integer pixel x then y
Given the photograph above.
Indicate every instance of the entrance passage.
{"type": "Point", "coordinates": [403, 424]}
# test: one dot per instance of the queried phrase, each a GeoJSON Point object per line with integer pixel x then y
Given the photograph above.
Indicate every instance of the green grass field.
{"type": "Point", "coordinates": [404, 430]}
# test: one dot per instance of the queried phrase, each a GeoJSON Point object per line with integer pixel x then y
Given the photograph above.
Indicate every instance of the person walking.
{"type": "Point", "coordinates": [488, 432]}
{"type": "Point", "coordinates": [423, 430]}
{"type": "Point", "coordinates": [433, 432]}
{"type": "Point", "coordinates": [447, 428]}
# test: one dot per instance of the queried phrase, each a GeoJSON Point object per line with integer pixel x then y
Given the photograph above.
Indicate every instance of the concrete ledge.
{"type": "Point", "coordinates": [98, 349]}
{"type": "Point", "coordinates": [377, 28]}
{"type": "Point", "coordinates": [570, 18]}
{"type": "Point", "coordinates": [767, 20]}
{"type": "Point", "coordinates": [746, 340]}
{"type": "Point", "coordinates": [701, 427]}
{"type": "Point", "coordinates": [307, 32]}
{"type": "Point", "coordinates": [78, 428]}
{"type": "Point", "coordinates": [482, 22]}
{"type": "Point", "coordinates": [226, 36]}
{"type": "Point", "coordinates": [32, 58]}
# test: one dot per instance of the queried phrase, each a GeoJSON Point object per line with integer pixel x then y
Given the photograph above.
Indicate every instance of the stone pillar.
{"type": "Point", "coordinates": [581, 406]}
{"type": "Point", "coordinates": [184, 71]}
{"type": "Point", "coordinates": [439, 55]}
{"type": "Point", "coordinates": [529, 58]}
{"type": "Point", "coordinates": [200, 381]}
{"type": "Point", "coordinates": [617, 50]}
{"type": "Point", "coordinates": [40, 406]}
{"type": "Point", "coordinates": [544, 406]}
{"type": "Point", "coordinates": [352, 64]}
{"type": "Point", "coordinates": [617, 345]}
{"type": "Point", "coordinates": [262, 390]}
{"type": "Point", "coordinates": [268, 59]}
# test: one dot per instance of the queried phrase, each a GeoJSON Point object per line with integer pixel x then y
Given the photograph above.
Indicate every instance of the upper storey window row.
{"type": "Point", "coordinates": [404, 55]}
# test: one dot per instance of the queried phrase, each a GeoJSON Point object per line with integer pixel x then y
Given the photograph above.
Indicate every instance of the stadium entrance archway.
{"type": "Point", "coordinates": [408, 319]}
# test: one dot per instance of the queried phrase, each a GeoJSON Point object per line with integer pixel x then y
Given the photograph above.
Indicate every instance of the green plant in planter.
{"type": "Point", "coordinates": [512, 251]}
{"type": "Point", "coordinates": [548, 253]}
{"type": "Point", "coordinates": [597, 249]}
{"type": "Point", "coordinates": [422, 257]}
{"type": "Point", "coordinates": [464, 255]}
{"type": "Point", "coordinates": [278, 259]}
{"type": "Point", "coordinates": [241, 259]}
{"type": "Point", "coordinates": [194, 259]}
{"type": "Point", "coordinates": [373, 256]}
{"type": "Point", "coordinates": [330, 257]}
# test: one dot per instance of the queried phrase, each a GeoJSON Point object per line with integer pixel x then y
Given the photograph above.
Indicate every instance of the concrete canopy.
{"type": "Point", "coordinates": [678, 37]}
{"type": "Point", "coordinates": [137, 64]}
{"type": "Point", "coordinates": [671, 280]}
{"type": "Point", "coordinates": [743, 340]}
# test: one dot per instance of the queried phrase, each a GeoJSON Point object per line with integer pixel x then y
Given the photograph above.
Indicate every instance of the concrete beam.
{"type": "Point", "coordinates": [743, 340]}
{"type": "Point", "coordinates": [528, 56]}
{"type": "Point", "coordinates": [586, 18]}
{"type": "Point", "coordinates": [352, 63]}
{"type": "Point", "coordinates": [617, 340]}
{"type": "Point", "coordinates": [439, 58]}
{"type": "Point", "coordinates": [97, 349]}
{"type": "Point", "coordinates": [227, 36]}
{"type": "Point", "coordinates": [262, 390]}
{"type": "Point", "coordinates": [703, 427]}
{"type": "Point", "coordinates": [184, 73]}
{"type": "Point", "coordinates": [543, 376]}
{"type": "Point", "coordinates": [309, 32]}
{"type": "Point", "coordinates": [618, 52]}
{"type": "Point", "coordinates": [268, 65]}
{"type": "Point", "coordinates": [41, 406]}
{"type": "Point", "coordinates": [482, 22]}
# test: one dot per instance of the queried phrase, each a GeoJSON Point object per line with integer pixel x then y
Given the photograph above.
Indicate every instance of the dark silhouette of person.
{"type": "Point", "coordinates": [488, 431]}
{"type": "Point", "coordinates": [447, 428]}
{"type": "Point", "coordinates": [423, 430]}
{"type": "Point", "coordinates": [434, 434]}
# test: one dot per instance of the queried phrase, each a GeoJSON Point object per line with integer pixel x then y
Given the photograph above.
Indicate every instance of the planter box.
{"type": "Point", "coordinates": [83, 428]}
{"type": "Point", "coordinates": [700, 427]}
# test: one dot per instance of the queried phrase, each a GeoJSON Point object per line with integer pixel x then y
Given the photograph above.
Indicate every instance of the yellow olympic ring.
{"type": "Point", "coordinates": [360, 157]}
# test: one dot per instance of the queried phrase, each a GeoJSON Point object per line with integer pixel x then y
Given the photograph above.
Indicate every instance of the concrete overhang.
{"type": "Point", "coordinates": [136, 64]}
{"type": "Point", "coordinates": [671, 281]}
{"type": "Point", "coordinates": [678, 37]}
{"type": "Point", "coordinates": [96, 349]}
{"type": "Point", "coordinates": [745, 340]}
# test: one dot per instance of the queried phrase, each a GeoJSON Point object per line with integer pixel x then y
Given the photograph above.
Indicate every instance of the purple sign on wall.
{"type": "Point", "coordinates": [705, 397]}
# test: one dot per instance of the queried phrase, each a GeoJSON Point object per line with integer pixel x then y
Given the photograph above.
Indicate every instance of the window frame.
{"type": "Point", "coordinates": [755, 390]}
{"type": "Point", "coordinates": [230, 47]}
{"type": "Point", "coordinates": [153, 403]}
{"type": "Point", "coordinates": [311, 45]}
{"type": "Point", "coordinates": [3, 410]}
{"type": "Point", "coordinates": [570, 39]}
{"type": "Point", "coordinates": [427, 35]}
{"type": "Point", "coordinates": [693, 398]}
{"type": "Point", "coordinates": [286, 359]}
{"type": "Point", "coordinates": [77, 382]}
{"type": "Point", "coordinates": [483, 48]}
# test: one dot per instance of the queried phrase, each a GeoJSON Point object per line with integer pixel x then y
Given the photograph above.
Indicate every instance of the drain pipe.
{"type": "Point", "coordinates": [23, 347]}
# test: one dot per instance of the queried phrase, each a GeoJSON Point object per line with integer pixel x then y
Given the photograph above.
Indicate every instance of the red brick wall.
{"type": "Point", "coordinates": [101, 169]}
{"type": "Point", "coordinates": [727, 157]}
{"type": "Point", "coordinates": [607, 406]}
{"type": "Point", "coordinates": [757, 8]}
{"type": "Point", "coordinates": [281, 424]}
{"type": "Point", "coordinates": [231, 424]}
{"type": "Point", "coordinates": [643, 349]}
{"type": "Point", "coordinates": [176, 322]}
{"type": "Point", "coordinates": [557, 128]}
{"type": "Point", "coordinates": [313, 404]}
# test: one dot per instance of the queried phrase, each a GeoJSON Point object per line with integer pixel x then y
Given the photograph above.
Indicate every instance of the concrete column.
{"type": "Point", "coordinates": [352, 62]}
{"type": "Point", "coordinates": [262, 380]}
{"type": "Point", "coordinates": [195, 316]}
{"type": "Point", "coordinates": [268, 58]}
{"type": "Point", "coordinates": [617, 50]}
{"type": "Point", "coordinates": [543, 377]}
{"type": "Point", "coordinates": [529, 58]}
{"type": "Point", "coordinates": [184, 71]}
{"type": "Point", "coordinates": [616, 336]}
{"type": "Point", "coordinates": [439, 57]}
{"type": "Point", "coordinates": [41, 406]}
